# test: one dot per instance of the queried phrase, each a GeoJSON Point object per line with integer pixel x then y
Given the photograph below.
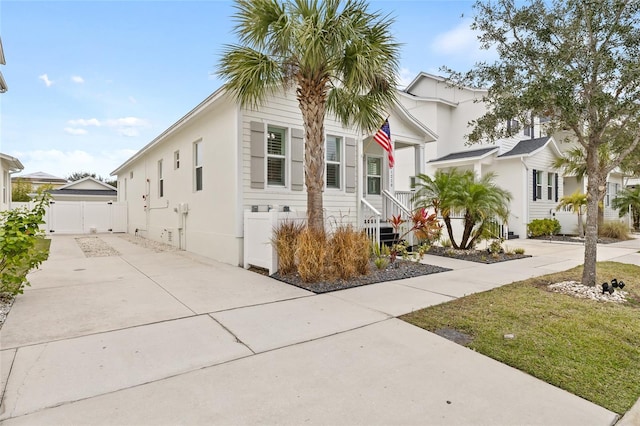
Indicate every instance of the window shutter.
{"type": "Point", "coordinates": [535, 174]}
{"type": "Point", "coordinates": [350, 165]}
{"type": "Point", "coordinates": [257, 155]}
{"type": "Point", "coordinates": [297, 159]}
{"type": "Point", "coordinates": [557, 185]}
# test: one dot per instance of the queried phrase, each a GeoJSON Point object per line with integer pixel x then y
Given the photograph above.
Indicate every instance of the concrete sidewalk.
{"type": "Point", "coordinates": [174, 338]}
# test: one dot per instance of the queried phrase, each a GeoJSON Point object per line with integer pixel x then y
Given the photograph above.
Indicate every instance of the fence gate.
{"type": "Point", "coordinates": [83, 217]}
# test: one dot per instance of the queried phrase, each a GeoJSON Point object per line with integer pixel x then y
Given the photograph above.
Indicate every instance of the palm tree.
{"type": "Point", "coordinates": [438, 192]}
{"type": "Point", "coordinates": [628, 197]}
{"type": "Point", "coordinates": [575, 202]}
{"type": "Point", "coordinates": [340, 57]}
{"type": "Point", "coordinates": [574, 162]}
{"type": "Point", "coordinates": [480, 200]}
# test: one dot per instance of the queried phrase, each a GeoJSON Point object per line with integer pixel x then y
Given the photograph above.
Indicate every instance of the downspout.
{"type": "Point", "coordinates": [525, 195]}
{"type": "Point", "coordinates": [239, 186]}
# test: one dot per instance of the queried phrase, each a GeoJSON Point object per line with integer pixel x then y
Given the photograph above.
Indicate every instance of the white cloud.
{"type": "Point", "coordinates": [63, 163]}
{"type": "Point", "coordinates": [84, 122]}
{"type": "Point", "coordinates": [77, 79]}
{"type": "Point", "coordinates": [461, 41]}
{"type": "Point", "coordinates": [46, 80]}
{"type": "Point", "coordinates": [75, 131]}
{"type": "Point", "coordinates": [125, 126]}
{"type": "Point", "coordinates": [406, 76]}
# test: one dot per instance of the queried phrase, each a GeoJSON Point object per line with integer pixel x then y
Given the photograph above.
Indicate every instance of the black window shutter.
{"type": "Point", "coordinates": [535, 174]}
{"type": "Point", "coordinates": [556, 177]}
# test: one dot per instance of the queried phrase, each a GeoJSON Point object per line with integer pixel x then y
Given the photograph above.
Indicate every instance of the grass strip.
{"type": "Point", "coordinates": [589, 348]}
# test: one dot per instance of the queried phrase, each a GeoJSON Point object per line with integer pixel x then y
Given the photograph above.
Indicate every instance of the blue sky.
{"type": "Point", "coordinates": [92, 82]}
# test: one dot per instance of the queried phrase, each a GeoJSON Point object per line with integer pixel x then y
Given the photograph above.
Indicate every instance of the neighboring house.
{"type": "Point", "coordinates": [8, 165]}
{"type": "Point", "coordinates": [38, 179]}
{"type": "Point", "coordinates": [192, 185]}
{"type": "Point", "coordinates": [85, 189]}
{"type": "Point", "coordinates": [3, 84]}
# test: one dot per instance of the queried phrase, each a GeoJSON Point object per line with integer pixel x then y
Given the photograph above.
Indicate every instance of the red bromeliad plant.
{"type": "Point", "coordinates": [425, 227]}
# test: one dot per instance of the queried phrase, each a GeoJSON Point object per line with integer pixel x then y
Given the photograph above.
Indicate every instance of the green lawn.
{"type": "Point", "coordinates": [591, 349]}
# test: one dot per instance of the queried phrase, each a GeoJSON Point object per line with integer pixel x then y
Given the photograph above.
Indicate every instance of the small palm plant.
{"type": "Point", "coordinates": [575, 202]}
{"type": "Point", "coordinates": [628, 197]}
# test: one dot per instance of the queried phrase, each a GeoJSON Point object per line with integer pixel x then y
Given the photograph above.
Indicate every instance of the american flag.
{"type": "Point", "coordinates": [383, 137]}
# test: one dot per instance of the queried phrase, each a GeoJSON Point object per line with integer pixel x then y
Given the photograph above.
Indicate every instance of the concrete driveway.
{"type": "Point", "coordinates": [155, 338]}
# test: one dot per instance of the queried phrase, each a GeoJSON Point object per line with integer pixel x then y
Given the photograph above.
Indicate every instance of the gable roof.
{"type": "Point", "coordinates": [211, 99]}
{"type": "Point", "coordinates": [527, 147]}
{"type": "Point", "coordinates": [42, 176]}
{"type": "Point", "coordinates": [14, 164]}
{"type": "Point", "coordinates": [475, 154]}
{"type": "Point", "coordinates": [92, 192]}
{"type": "Point", "coordinates": [408, 117]}
{"type": "Point", "coordinates": [88, 179]}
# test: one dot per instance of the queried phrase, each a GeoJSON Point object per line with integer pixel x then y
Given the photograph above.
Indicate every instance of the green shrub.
{"type": "Point", "coordinates": [518, 250]}
{"type": "Point", "coordinates": [22, 245]}
{"type": "Point", "coordinates": [540, 227]}
{"type": "Point", "coordinates": [495, 247]}
{"type": "Point", "coordinates": [614, 229]}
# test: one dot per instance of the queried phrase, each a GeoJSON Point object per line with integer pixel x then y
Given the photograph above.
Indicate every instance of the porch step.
{"type": "Point", "coordinates": [512, 236]}
{"type": "Point", "coordinates": [388, 236]}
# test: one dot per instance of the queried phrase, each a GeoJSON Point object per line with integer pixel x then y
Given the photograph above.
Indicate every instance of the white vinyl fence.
{"type": "Point", "coordinates": [83, 217]}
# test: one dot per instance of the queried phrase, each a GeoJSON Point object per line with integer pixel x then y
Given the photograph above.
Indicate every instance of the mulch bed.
{"type": "Point", "coordinates": [575, 239]}
{"type": "Point", "coordinates": [479, 256]}
{"type": "Point", "coordinates": [401, 269]}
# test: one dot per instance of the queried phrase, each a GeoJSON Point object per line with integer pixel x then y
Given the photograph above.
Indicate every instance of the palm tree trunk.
{"type": "Point", "coordinates": [312, 101]}
{"type": "Point", "coordinates": [447, 222]}
{"type": "Point", "coordinates": [468, 227]}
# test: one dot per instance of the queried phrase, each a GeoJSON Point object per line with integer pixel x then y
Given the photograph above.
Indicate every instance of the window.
{"type": "Point", "coordinates": [513, 126]}
{"type": "Point", "coordinates": [176, 160]}
{"type": "Point", "coordinates": [334, 161]}
{"type": "Point", "coordinates": [374, 175]}
{"type": "Point", "coordinates": [160, 180]}
{"type": "Point", "coordinates": [131, 174]}
{"type": "Point", "coordinates": [538, 176]}
{"type": "Point", "coordinates": [549, 186]}
{"type": "Point", "coordinates": [197, 162]}
{"type": "Point", "coordinates": [276, 156]}
{"type": "Point", "coordinates": [612, 191]}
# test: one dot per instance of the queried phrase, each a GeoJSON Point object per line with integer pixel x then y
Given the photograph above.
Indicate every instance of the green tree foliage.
{"type": "Point", "coordinates": [574, 62]}
{"type": "Point", "coordinates": [20, 190]}
{"type": "Point", "coordinates": [478, 201]}
{"type": "Point", "coordinates": [21, 245]}
{"type": "Point", "coordinates": [628, 197]}
{"type": "Point", "coordinates": [339, 56]}
{"type": "Point", "coordinates": [75, 176]}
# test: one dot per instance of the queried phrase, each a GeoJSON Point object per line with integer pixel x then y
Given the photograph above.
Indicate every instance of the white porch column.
{"type": "Point", "coordinates": [419, 159]}
{"type": "Point", "coordinates": [477, 169]}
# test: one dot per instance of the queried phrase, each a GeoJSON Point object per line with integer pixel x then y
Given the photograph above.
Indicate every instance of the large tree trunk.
{"type": "Point", "coordinates": [591, 232]}
{"type": "Point", "coordinates": [312, 101]}
{"type": "Point", "coordinates": [466, 234]}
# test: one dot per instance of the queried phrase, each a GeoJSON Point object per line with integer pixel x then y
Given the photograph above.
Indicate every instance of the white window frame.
{"type": "Point", "coordinates": [379, 158]}
{"type": "Point", "coordinates": [550, 186]}
{"type": "Point", "coordinates": [160, 180]}
{"type": "Point", "coordinates": [271, 129]}
{"type": "Point", "coordinates": [339, 162]}
{"type": "Point", "coordinates": [539, 178]}
{"type": "Point", "coordinates": [198, 168]}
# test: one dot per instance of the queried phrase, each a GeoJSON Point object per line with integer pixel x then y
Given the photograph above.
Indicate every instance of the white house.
{"type": "Point", "coordinates": [39, 179]}
{"type": "Point", "coordinates": [193, 184]}
{"type": "Point", "coordinates": [8, 165]}
{"type": "Point", "coordinates": [85, 189]}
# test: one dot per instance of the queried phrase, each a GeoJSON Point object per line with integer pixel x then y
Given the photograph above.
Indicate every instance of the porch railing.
{"type": "Point", "coordinates": [370, 221]}
{"type": "Point", "coordinates": [392, 206]}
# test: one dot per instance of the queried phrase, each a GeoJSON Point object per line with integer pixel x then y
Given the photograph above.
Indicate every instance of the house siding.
{"type": "Point", "coordinates": [542, 208]}
{"type": "Point", "coordinates": [211, 223]}
{"type": "Point", "coordinates": [283, 111]}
